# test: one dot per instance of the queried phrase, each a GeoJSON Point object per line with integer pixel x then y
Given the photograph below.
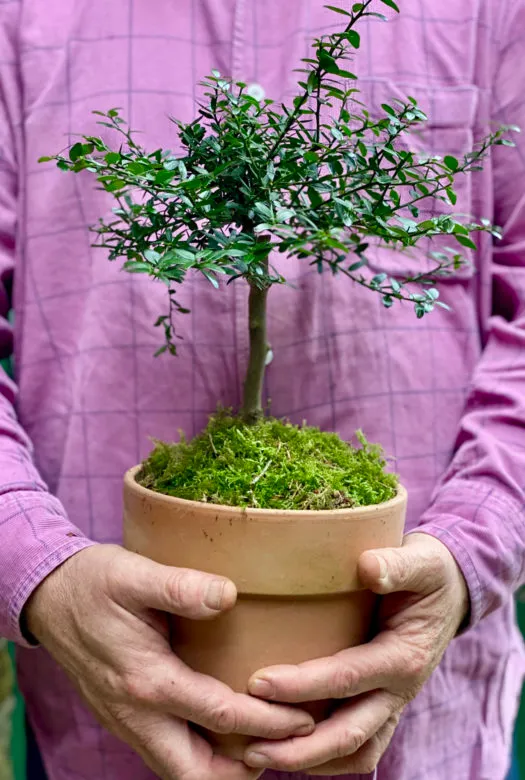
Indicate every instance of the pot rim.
{"type": "Point", "coordinates": [131, 484]}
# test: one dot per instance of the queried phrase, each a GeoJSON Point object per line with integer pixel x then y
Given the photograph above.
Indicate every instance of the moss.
{"type": "Point", "coordinates": [271, 465]}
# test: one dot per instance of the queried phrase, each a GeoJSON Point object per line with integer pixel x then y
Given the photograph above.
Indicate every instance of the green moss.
{"type": "Point", "coordinates": [270, 465]}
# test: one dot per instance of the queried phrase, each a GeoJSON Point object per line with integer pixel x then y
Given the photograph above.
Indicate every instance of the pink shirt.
{"type": "Point", "coordinates": [446, 396]}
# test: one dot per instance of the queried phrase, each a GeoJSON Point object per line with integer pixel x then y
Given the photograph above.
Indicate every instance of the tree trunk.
{"type": "Point", "coordinates": [252, 408]}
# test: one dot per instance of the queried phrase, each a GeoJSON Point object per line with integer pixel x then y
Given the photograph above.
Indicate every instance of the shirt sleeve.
{"type": "Point", "coordinates": [478, 510]}
{"type": "Point", "coordinates": [35, 533]}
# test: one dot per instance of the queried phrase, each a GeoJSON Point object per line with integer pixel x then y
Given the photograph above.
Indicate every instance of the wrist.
{"type": "Point", "coordinates": [43, 605]}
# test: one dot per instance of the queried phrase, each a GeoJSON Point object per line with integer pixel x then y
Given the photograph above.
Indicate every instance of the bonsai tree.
{"type": "Point", "coordinates": [321, 179]}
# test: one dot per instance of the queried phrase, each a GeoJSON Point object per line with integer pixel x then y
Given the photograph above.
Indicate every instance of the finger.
{"type": "Point", "coordinates": [172, 750]}
{"type": "Point", "coordinates": [419, 566]}
{"type": "Point", "coordinates": [171, 686]}
{"type": "Point", "coordinates": [384, 662]}
{"type": "Point", "coordinates": [342, 735]}
{"type": "Point", "coordinates": [365, 760]}
{"type": "Point", "coordinates": [138, 583]}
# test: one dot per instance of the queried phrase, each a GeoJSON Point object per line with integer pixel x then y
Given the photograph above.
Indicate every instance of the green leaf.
{"type": "Point", "coordinates": [152, 256]}
{"type": "Point", "coordinates": [452, 196]}
{"type": "Point", "coordinates": [211, 279]}
{"type": "Point", "coordinates": [391, 4]}
{"type": "Point", "coordinates": [315, 199]}
{"type": "Point", "coordinates": [338, 10]}
{"type": "Point", "coordinates": [389, 110]}
{"type": "Point", "coordinates": [465, 241]}
{"type": "Point", "coordinates": [170, 165]}
{"type": "Point", "coordinates": [357, 266]}
{"type": "Point", "coordinates": [113, 158]}
{"type": "Point", "coordinates": [163, 177]}
{"type": "Point", "coordinates": [346, 74]}
{"type": "Point", "coordinates": [451, 162]}
{"type": "Point", "coordinates": [283, 214]}
{"type": "Point", "coordinates": [45, 159]}
{"type": "Point", "coordinates": [394, 284]}
{"type": "Point", "coordinates": [327, 62]}
{"type": "Point", "coordinates": [76, 151]}
{"type": "Point", "coordinates": [264, 210]}
{"type": "Point", "coordinates": [184, 254]}
{"type": "Point", "coordinates": [312, 83]}
{"type": "Point", "coordinates": [353, 38]}
{"type": "Point", "coordinates": [136, 267]}
{"type": "Point", "coordinates": [113, 185]}
{"type": "Point", "coordinates": [137, 168]}
{"type": "Point", "coordinates": [459, 228]}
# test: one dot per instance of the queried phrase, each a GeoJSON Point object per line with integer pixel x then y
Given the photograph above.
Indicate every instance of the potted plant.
{"type": "Point", "coordinates": [283, 510]}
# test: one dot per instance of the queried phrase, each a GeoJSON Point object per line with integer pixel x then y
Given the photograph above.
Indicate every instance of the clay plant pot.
{"type": "Point", "coordinates": [296, 575]}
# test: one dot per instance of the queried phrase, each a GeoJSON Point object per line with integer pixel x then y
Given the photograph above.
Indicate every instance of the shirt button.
{"type": "Point", "coordinates": [256, 91]}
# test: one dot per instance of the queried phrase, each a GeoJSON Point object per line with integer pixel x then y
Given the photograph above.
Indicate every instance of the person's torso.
{"type": "Point", "coordinates": [92, 394]}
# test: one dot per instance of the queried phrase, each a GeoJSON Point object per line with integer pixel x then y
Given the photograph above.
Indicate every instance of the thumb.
{"type": "Point", "coordinates": [418, 566]}
{"type": "Point", "coordinates": [140, 583]}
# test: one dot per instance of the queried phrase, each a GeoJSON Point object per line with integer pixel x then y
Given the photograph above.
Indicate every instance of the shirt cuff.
{"type": "Point", "coordinates": [483, 527]}
{"type": "Point", "coordinates": [37, 537]}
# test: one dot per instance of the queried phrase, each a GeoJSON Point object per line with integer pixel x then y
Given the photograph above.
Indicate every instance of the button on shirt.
{"type": "Point", "coordinates": [445, 396]}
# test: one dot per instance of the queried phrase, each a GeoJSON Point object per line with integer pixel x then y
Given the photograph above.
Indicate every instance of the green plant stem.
{"type": "Point", "coordinates": [252, 408]}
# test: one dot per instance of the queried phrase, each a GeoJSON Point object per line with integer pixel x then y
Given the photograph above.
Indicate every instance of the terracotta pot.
{"type": "Point", "coordinates": [299, 596]}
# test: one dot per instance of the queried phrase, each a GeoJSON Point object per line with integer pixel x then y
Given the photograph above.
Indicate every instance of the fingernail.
{"type": "Point", "coordinates": [262, 688]}
{"type": "Point", "coordinates": [214, 595]}
{"type": "Point", "coordinates": [257, 759]}
{"type": "Point", "coordinates": [304, 731]}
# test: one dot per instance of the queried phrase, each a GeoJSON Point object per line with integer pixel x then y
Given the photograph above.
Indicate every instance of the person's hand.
{"type": "Point", "coordinates": [424, 603]}
{"type": "Point", "coordinates": [102, 616]}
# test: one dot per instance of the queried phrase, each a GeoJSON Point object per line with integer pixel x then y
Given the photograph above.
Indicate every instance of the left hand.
{"type": "Point", "coordinates": [425, 601]}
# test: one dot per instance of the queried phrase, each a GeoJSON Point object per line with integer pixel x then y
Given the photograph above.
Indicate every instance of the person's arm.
{"type": "Point", "coordinates": [36, 535]}
{"type": "Point", "coordinates": [478, 510]}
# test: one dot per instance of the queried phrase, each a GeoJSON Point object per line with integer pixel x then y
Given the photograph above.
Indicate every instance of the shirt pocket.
{"type": "Point", "coordinates": [450, 130]}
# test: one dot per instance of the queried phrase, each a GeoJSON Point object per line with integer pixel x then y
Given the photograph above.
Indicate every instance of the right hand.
{"type": "Point", "coordinates": [102, 616]}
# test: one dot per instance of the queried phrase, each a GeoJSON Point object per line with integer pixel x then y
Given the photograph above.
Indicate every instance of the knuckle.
{"type": "Point", "coordinates": [349, 741]}
{"type": "Point", "coordinates": [119, 716]}
{"type": "Point", "coordinates": [345, 681]}
{"type": "Point", "coordinates": [110, 684]}
{"type": "Point", "coordinates": [137, 687]}
{"type": "Point", "coordinates": [222, 718]}
{"type": "Point", "coordinates": [180, 591]}
{"type": "Point", "coordinates": [417, 663]}
{"type": "Point", "coordinates": [402, 568]}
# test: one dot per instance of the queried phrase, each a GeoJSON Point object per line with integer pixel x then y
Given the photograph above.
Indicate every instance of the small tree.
{"type": "Point", "coordinates": [253, 178]}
